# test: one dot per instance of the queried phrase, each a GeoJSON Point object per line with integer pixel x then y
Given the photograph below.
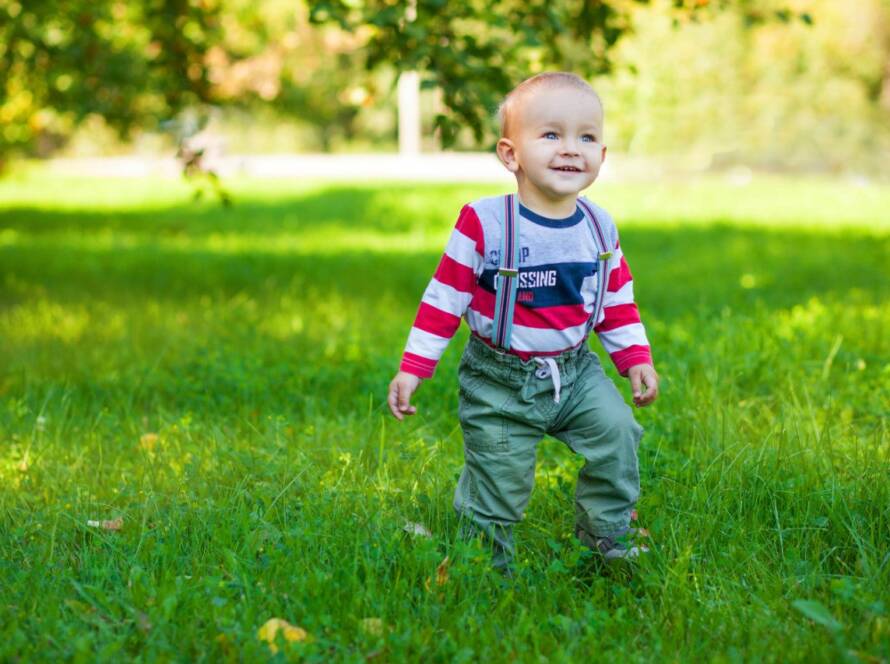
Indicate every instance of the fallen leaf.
{"type": "Point", "coordinates": [272, 626]}
{"type": "Point", "coordinates": [441, 574]}
{"type": "Point", "coordinates": [373, 626]}
{"type": "Point", "coordinates": [148, 441]}
{"type": "Point", "coordinates": [113, 524]}
{"type": "Point", "coordinates": [417, 529]}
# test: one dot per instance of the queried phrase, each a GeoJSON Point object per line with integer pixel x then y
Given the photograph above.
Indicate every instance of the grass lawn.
{"type": "Point", "coordinates": [216, 380]}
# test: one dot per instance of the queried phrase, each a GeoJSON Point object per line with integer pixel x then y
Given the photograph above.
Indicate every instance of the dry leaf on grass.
{"type": "Point", "coordinates": [113, 524]}
{"type": "Point", "coordinates": [417, 529]}
{"type": "Point", "coordinates": [271, 628]}
{"type": "Point", "coordinates": [441, 574]}
{"type": "Point", "coordinates": [148, 441]}
{"type": "Point", "coordinates": [373, 626]}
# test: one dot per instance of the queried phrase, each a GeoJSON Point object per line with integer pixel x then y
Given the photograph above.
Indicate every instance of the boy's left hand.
{"type": "Point", "coordinates": [641, 375]}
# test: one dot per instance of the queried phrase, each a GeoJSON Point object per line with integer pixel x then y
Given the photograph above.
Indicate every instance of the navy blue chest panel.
{"type": "Point", "coordinates": [552, 285]}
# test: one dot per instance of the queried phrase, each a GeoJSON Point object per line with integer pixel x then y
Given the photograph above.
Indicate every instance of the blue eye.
{"type": "Point", "coordinates": [550, 134]}
{"type": "Point", "coordinates": [590, 138]}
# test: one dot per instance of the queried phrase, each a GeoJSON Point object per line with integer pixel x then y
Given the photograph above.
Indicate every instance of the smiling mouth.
{"type": "Point", "coordinates": [567, 169]}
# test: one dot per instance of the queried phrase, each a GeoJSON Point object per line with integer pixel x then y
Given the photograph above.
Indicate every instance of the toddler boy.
{"type": "Point", "coordinates": [533, 274]}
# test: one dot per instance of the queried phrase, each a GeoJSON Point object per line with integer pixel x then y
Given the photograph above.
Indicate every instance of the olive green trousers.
{"type": "Point", "coordinates": [506, 406]}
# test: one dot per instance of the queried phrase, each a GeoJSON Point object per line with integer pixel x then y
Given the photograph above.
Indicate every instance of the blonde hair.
{"type": "Point", "coordinates": [550, 79]}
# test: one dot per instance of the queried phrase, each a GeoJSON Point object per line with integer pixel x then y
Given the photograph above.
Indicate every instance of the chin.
{"type": "Point", "coordinates": [567, 188]}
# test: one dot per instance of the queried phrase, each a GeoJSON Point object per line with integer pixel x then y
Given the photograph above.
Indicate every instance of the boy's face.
{"type": "Point", "coordinates": [555, 141]}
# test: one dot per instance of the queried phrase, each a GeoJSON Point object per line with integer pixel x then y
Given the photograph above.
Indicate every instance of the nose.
{"type": "Point", "coordinates": [570, 147]}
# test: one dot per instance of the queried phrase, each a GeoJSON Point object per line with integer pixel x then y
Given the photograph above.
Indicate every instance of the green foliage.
{"type": "Point", "coordinates": [474, 52]}
{"type": "Point", "coordinates": [809, 94]}
{"type": "Point", "coordinates": [763, 82]}
{"type": "Point", "coordinates": [817, 613]}
{"type": "Point", "coordinates": [256, 342]}
{"type": "Point", "coordinates": [132, 63]}
{"type": "Point", "coordinates": [272, 56]}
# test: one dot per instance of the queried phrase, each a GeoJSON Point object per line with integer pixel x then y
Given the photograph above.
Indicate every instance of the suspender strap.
{"type": "Point", "coordinates": [604, 254]}
{"type": "Point", "coordinates": [506, 280]}
{"type": "Point", "coordinates": [507, 277]}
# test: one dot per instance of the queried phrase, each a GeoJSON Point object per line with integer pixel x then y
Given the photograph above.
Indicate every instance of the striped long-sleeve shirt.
{"type": "Point", "coordinates": [557, 286]}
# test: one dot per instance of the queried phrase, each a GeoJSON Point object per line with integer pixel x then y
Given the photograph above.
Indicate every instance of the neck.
{"type": "Point", "coordinates": [537, 201]}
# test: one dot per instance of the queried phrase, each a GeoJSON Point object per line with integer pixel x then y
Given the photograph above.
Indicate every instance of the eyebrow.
{"type": "Point", "coordinates": [558, 123]}
{"type": "Point", "coordinates": [593, 129]}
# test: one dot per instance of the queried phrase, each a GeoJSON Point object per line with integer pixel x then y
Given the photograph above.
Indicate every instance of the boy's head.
{"type": "Point", "coordinates": [552, 135]}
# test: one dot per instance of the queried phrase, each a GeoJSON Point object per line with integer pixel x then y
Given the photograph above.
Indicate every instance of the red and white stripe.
{"type": "Point", "coordinates": [619, 328]}
{"type": "Point", "coordinates": [453, 293]}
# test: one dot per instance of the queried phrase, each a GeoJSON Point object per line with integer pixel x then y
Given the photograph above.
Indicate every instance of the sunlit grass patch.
{"type": "Point", "coordinates": [215, 380]}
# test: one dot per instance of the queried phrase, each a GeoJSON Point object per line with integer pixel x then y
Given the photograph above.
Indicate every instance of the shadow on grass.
{"type": "Point", "coordinates": [347, 299]}
{"type": "Point", "coordinates": [675, 270]}
{"type": "Point", "coordinates": [334, 208]}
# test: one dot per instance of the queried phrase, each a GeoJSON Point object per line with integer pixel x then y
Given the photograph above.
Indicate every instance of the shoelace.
{"type": "Point", "coordinates": [547, 367]}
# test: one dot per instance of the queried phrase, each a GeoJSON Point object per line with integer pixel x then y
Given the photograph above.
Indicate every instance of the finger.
{"type": "Point", "coordinates": [391, 400]}
{"type": "Point", "coordinates": [404, 398]}
{"type": "Point", "coordinates": [651, 392]}
{"type": "Point", "coordinates": [635, 383]}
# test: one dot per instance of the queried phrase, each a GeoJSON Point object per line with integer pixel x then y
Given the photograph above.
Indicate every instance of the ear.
{"type": "Point", "coordinates": [604, 155]}
{"type": "Point", "coordinates": [507, 154]}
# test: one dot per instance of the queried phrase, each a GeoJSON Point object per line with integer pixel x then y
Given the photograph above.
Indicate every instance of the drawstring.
{"type": "Point", "coordinates": [547, 367]}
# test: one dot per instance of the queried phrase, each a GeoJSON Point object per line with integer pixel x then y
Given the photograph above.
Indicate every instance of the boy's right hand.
{"type": "Point", "coordinates": [400, 390]}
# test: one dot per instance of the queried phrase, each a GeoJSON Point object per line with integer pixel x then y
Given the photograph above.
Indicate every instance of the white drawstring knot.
{"type": "Point", "coordinates": [547, 367]}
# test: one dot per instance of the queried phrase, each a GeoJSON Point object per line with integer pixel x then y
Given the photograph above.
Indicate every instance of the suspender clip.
{"type": "Point", "coordinates": [508, 271]}
{"type": "Point", "coordinates": [605, 255]}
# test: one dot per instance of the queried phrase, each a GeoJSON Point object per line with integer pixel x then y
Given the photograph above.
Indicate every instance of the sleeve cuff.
{"type": "Point", "coordinates": [625, 359]}
{"type": "Point", "coordinates": [417, 365]}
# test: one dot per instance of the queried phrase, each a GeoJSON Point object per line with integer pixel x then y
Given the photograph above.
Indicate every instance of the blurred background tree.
{"type": "Point", "coordinates": [130, 63]}
{"type": "Point", "coordinates": [271, 56]}
{"type": "Point", "coordinates": [474, 52]}
{"type": "Point", "coordinates": [740, 87]}
{"type": "Point", "coordinates": [771, 83]}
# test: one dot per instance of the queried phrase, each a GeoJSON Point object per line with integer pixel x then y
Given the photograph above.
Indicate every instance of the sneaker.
{"type": "Point", "coordinates": [621, 546]}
